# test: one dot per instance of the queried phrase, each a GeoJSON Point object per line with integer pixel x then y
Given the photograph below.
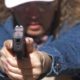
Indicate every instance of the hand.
{"type": "Point", "coordinates": [29, 68]}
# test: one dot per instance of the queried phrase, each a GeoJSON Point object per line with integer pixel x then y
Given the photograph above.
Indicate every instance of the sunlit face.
{"type": "Point", "coordinates": [36, 17]}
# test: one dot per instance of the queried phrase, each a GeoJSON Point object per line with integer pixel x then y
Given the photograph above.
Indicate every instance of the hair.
{"type": "Point", "coordinates": [4, 12]}
{"type": "Point", "coordinates": [68, 10]}
{"type": "Point", "coordinates": [71, 11]}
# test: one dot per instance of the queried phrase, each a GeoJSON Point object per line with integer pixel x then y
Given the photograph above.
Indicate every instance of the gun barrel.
{"type": "Point", "coordinates": [18, 41]}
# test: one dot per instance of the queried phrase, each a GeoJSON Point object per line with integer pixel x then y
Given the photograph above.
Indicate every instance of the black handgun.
{"type": "Point", "coordinates": [18, 42]}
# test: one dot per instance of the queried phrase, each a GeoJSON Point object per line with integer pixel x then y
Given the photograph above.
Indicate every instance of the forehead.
{"type": "Point", "coordinates": [37, 3]}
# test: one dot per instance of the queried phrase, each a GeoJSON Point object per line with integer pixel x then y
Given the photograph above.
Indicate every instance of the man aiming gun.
{"type": "Point", "coordinates": [36, 19]}
{"type": "Point", "coordinates": [37, 22]}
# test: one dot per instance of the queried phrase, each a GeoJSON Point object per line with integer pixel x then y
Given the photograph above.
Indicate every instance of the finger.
{"type": "Point", "coordinates": [9, 63]}
{"type": "Point", "coordinates": [30, 44]}
{"type": "Point", "coordinates": [13, 69]}
{"type": "Point", "coordinates": [2, 64]}
{"type": "Point", "coordinates": [14, 76]}
{"type": "Point", "coordinates": [6, 53]}
{"type": "Point", "coordinates": [37, 72]}
{"type": "Point", "coordinates": [12, 61]}
{"type": "Point", "coordinates": [8, 44]}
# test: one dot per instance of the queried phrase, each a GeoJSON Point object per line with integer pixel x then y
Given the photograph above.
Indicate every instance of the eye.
{"type": "Point", "coordinates": [45, 6]}
{"type": "Point", "coordinates": [26, 9]}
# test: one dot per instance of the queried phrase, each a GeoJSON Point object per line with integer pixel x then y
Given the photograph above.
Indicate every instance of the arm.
{"type": "Point", "coordinates": [61, 51]}
{"type": "Point", "coordinates": [65, 51]}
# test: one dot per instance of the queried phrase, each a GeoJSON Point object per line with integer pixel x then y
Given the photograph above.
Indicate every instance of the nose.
{"type": "Point", "coordinates": [33, 11]}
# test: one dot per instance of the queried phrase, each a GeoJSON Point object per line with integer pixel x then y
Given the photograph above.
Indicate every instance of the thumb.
{"type": "Point", "coordinates": [7, 48]}
{"type": "Point", "coordinates": [29, 44]}
{"type": "Point", "coordinates": [8, 44]}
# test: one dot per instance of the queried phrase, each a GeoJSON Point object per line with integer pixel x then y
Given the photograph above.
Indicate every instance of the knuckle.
{"type": "Point", "coordinates": [39, 72]}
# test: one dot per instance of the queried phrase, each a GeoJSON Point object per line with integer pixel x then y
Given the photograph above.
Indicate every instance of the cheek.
{"type": "Point", "coordinates": [23, 21]}
{"type": "Point", "coordinates": [20, 18]}
{"type": "Point", "coordinates": [48, 19]}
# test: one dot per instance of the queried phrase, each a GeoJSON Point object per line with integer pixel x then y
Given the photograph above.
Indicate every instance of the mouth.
{"type": "Point", "coordinates": [34, 26]}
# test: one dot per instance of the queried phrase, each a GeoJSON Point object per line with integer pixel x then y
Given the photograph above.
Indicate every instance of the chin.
{"type": "Point", "coordinates": [33, 34]}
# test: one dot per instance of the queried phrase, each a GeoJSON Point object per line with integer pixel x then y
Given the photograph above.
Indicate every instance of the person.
{"type": "Point", "coordinates": [40, 38]}
{"type": "Point", "coordinates": [37, 39]}
{"type": "Point", "coordinates": [51, 57]}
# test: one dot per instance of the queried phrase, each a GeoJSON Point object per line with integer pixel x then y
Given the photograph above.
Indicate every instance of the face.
{"type": "Point", "coordinates": [36, 17]}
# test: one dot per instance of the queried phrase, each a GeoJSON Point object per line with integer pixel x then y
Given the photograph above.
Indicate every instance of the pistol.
{"type": "Point", "coordinates": [18, 42]}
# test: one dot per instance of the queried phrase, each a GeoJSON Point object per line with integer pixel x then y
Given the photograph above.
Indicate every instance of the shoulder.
{"type": "Point", "coordinates": [6, 29]}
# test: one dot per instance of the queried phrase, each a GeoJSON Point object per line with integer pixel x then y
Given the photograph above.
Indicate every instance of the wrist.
{"type": "Point", "coordinates": [46, 62]}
